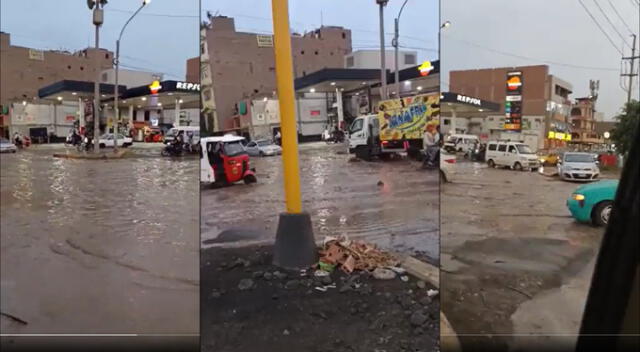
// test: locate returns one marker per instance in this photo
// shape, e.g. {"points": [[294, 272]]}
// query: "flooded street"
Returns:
{"points": [[92, 246], [513, 261], [393, 204]]}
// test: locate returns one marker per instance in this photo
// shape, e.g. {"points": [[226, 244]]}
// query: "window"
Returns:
{"points": [[356, 126], [493, 147], [106, 56], [350, 62], [147, 115], [447, 122], [135, 114], [68, 67], [81, 68], [502, 148], [344, 35], [524, 149], [202, 48], [409, 59], [316, 52], [512, 149], [302, 52], [576, 112]]}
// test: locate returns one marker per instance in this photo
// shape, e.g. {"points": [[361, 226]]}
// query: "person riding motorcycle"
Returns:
{"points": [[431, 141], [17, 140]]}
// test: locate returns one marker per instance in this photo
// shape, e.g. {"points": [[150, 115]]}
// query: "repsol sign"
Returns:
{"points": [[468, 100], [187, 86]]}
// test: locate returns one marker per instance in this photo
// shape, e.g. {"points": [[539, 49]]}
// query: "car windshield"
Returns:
{"points": [[578, 158], [524, 149], [171, 133], [233, 148], [356, 125], [264, 143]]}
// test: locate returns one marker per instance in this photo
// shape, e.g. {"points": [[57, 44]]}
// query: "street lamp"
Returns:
{"points": [[115, 88], [446, 24], [395, 45]]}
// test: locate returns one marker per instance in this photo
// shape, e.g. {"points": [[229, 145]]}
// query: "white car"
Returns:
{"points": [[106, 141], [6, 146], [574, 166], [447, 161], [263, 147], [514, 155]]}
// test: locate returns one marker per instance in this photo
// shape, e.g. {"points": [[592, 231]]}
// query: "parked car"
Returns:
{"points": [[6, 146], [106, 141], [576, 166], [263, 147], [515, 155], [548, 157], [447, 161], [461, 143], [593, 202]]}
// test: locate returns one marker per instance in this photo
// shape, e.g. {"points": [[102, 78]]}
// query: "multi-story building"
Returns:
{"points": [[583, 122], [209, 117], [242, 65], [25, 70], [544, 102]]}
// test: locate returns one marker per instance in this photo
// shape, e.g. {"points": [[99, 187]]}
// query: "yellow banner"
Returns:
{"points": [[406, 118]]}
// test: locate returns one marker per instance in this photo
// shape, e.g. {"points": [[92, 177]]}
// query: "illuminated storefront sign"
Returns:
{"points": [[155, 87], [425, 68], [559, 135], [513, 104]]}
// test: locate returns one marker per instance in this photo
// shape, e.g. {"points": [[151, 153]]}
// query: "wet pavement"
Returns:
{"points": [[512, 258], [94, 246], [393, 204]]}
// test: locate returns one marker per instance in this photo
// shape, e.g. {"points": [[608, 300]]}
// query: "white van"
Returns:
{"points": [[187, 130], [515, 155], [460, 142]]}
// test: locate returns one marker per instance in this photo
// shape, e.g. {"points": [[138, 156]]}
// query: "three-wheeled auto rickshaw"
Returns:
{"points": [[224, 161]]}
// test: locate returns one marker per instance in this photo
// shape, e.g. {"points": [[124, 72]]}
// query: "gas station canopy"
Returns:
{"points": [[167, 93], [467, 106], [354, 79], [73, 90]]}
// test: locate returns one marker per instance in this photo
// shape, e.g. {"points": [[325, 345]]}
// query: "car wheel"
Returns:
{"points": [[601, 213], [517, 166], [491, 163]]}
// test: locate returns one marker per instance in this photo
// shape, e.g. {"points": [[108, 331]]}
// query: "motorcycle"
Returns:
{"points": [[173, 149], [85, 146]]}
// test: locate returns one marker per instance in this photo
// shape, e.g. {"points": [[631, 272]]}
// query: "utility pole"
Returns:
{"points": [[633, 59], [295, 244], [98, 19], [395, 43], [383, 68]]}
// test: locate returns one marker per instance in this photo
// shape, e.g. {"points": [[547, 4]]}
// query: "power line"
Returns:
{"points": [[611, 23], [620, 17], [598, 24], [152, 14], [535, 59]]}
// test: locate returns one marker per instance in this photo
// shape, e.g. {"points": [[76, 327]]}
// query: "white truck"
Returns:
{"points": [[398, 127]]}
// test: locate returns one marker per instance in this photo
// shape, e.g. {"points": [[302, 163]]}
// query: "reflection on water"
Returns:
{"points": [[91, 224]]}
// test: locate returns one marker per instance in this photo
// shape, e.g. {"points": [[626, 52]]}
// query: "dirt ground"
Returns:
{"points": [[249, 305], [513, 260]]}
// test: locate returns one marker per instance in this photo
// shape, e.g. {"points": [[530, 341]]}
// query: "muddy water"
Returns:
{"points": [[99, 246], [508, 239], [343, 198]]}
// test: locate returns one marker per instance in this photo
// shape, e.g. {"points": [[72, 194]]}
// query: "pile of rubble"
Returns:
{"points": [[350, 255]]}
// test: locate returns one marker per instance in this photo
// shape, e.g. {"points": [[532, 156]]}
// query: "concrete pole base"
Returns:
{"points": [[295, 246]]}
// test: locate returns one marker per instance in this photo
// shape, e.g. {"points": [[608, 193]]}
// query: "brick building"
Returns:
{"points": [[545, 101], [583, 122], [241, 66]]}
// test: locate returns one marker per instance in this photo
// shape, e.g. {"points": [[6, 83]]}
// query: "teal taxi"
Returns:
{"points": [[593, 202]]}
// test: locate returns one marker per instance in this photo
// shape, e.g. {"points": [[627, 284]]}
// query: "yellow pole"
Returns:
{"points": [[286, 100]]}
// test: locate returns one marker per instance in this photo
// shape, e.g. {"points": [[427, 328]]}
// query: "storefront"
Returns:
{"points": [[465, 114], [558, 135]]}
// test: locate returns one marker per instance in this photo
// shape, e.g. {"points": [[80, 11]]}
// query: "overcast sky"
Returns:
{"points": [[543, 30], [418, 25], [159, 39]]}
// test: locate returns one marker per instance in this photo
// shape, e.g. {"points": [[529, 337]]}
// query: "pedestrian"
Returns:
{"points": [[430, 145], [278, 138]]}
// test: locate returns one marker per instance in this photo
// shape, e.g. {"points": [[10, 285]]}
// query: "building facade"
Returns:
{"points": [[543, 107], [583, 122], [242, 66]]}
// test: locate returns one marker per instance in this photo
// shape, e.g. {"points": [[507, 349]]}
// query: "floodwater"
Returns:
{"points": [[393, 204], [513, 257], [93, 246]]}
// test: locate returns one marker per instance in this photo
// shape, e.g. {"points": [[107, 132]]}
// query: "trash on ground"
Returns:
{"points": [[383, 274], [404, 278], [320, 273], [432, 293], [326, 266], [352, 255]]}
